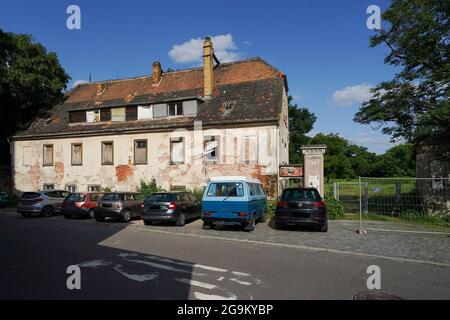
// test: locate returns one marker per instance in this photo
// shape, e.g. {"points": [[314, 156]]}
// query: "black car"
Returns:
{"points": [[170, 206], [301, 206], [119, 205]]}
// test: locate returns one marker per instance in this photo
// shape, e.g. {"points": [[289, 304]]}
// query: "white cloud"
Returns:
{"points": [[192, 51], [351, 95], [78, 82]]}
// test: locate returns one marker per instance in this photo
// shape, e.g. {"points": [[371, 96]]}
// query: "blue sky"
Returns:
{"points": [[321, 45]]}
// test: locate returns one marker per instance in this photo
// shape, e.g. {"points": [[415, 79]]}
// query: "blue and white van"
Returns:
{"points": [[234, 200]]}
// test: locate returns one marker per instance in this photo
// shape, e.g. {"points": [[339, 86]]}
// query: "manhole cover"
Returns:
{"points": [[375, 296]]}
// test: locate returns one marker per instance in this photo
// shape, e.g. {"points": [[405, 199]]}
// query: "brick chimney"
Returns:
{"points": [[157, 73], [208, 65]]}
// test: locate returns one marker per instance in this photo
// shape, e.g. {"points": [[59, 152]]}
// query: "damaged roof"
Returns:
{"points": [[245, 91]]}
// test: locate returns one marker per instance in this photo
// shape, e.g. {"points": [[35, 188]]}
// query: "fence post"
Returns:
{"points": [[366, 198], [361, 230]]}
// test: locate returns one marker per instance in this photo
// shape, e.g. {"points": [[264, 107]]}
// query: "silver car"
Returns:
{"points": [[44, 203]]}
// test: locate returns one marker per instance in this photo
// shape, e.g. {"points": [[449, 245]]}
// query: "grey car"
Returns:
{"points": [[119, 205], [44, 203]]}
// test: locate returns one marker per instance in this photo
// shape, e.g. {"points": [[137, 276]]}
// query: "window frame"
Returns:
{"points": [[146, 151], [180, 140], [43, 155], [178, 105], [94, 185], [207, 139], [102, 153], [45, 186], [124, 114], [81, 153], [94, 111], [70, 185]]}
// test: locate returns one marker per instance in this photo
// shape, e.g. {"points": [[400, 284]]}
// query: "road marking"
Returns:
{"points": [[245, 283], [241, 274], [204, 296], [220, 278], [135, 277], [95, 263], [186, 264], [165, 267], [196, 283]]}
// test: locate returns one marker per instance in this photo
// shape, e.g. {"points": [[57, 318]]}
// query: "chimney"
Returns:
{"points": [[157, 73], [100, 88], [208, 55]]}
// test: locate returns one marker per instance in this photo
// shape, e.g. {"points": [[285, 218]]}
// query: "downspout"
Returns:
{"points": [[11, 158]]}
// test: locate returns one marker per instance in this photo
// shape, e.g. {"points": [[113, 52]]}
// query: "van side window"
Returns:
{"points": [[258, 189], [252, 188]]}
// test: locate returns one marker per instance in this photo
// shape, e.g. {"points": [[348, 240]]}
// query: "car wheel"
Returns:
{"points": [[324, 227], [181, 221], [126, 215], [26, 214], [91, 214], [67, 216], [207, 226], [263, 217], [47, 211], [251, 224], [99, 218], [148, 222]]}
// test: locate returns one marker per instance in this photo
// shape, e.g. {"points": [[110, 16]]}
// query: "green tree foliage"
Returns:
{"points": [[399, 161], [301, 121], [414, 105], [31, 82], [148, 188]]}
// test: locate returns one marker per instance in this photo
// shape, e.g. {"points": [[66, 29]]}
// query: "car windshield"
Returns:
{"points": [[30, 195], [226, 189], [300, 195], [161, 197], [76, 197], [111, 197]]}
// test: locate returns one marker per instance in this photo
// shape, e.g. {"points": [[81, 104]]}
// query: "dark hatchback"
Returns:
{"points": [[119, 205], [301, 206], [175, 207]]}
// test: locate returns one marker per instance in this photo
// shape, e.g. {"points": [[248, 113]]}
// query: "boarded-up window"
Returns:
{"points": [[145, 112], [211, 149], [140, 151], [249, 150], [77, 154], [160, 110], [108, 152], [190, 108], [118, 114], [48, 155], [175, 109], [93, 116], [177, 150]]}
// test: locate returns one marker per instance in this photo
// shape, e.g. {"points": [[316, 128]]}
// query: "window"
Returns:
{"points": [[48, 155], [145, 112], [252, 188], [140, 151], [49, 186], [108, 152], [211, 148], [118, 114], [93, 116], [249, 150], [176, 109], [94, 188], [190, 107], [160, 110], [77, 154], [177, 150], [71, 188], [226, 189]]}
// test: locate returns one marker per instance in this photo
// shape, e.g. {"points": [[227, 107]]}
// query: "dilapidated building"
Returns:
{"points": [[180, 128]]}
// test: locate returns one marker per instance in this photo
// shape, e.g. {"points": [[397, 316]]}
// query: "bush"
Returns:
{"points": [[335, 209], [197, 192], [148, 188], [271, 205]]}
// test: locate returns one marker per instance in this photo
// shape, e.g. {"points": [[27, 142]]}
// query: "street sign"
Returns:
{"points": [[291, 171]]}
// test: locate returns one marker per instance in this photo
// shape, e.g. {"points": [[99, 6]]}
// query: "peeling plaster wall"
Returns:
{"points": [[124, 175]]}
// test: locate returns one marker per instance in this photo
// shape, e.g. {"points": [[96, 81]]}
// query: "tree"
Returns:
{"points": [[398, 161], [31, 82], [414, 105], [301, 121]]}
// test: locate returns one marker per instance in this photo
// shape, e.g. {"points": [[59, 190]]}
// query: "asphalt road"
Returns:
{"points": [[117, 262]]}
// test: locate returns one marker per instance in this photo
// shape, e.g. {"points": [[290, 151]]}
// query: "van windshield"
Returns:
{"points": [[300, 195], [226, 189]]}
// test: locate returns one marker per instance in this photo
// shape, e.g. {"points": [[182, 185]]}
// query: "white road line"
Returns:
{"points": [[136, 277], [220, 278], [197, 283], [241, 274], [204, 296], [95, 263], [166, 267], [186, 264], [245, 283]]}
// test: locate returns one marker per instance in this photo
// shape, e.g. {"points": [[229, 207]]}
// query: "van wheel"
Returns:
{"points": [[263, 217], [47, 211], [324, 228], [207, 226], [181, 221], [126, 215], [148, 222], [251, 224]]}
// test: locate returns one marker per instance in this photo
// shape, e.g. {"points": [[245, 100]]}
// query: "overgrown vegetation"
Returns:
{"points": [[148, 188], [335, 208]]}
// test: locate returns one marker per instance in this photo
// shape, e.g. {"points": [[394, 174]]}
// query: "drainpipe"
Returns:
{"points": [[11, 159]]}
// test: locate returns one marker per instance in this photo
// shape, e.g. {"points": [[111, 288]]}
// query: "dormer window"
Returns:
{"points": [[118, 114], [93, 116], [175, 109]]}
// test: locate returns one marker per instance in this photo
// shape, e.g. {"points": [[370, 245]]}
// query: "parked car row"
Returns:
{"points": [[226, 201]]}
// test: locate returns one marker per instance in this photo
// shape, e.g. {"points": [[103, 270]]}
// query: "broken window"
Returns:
{"points": [[118, 114], [211, 146], [93, 116], [177, 150], [145, 112], [48, 155], [160, 110], [107, 152], [249, 150], [77, 154], [140, 151], [176, 109]]}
